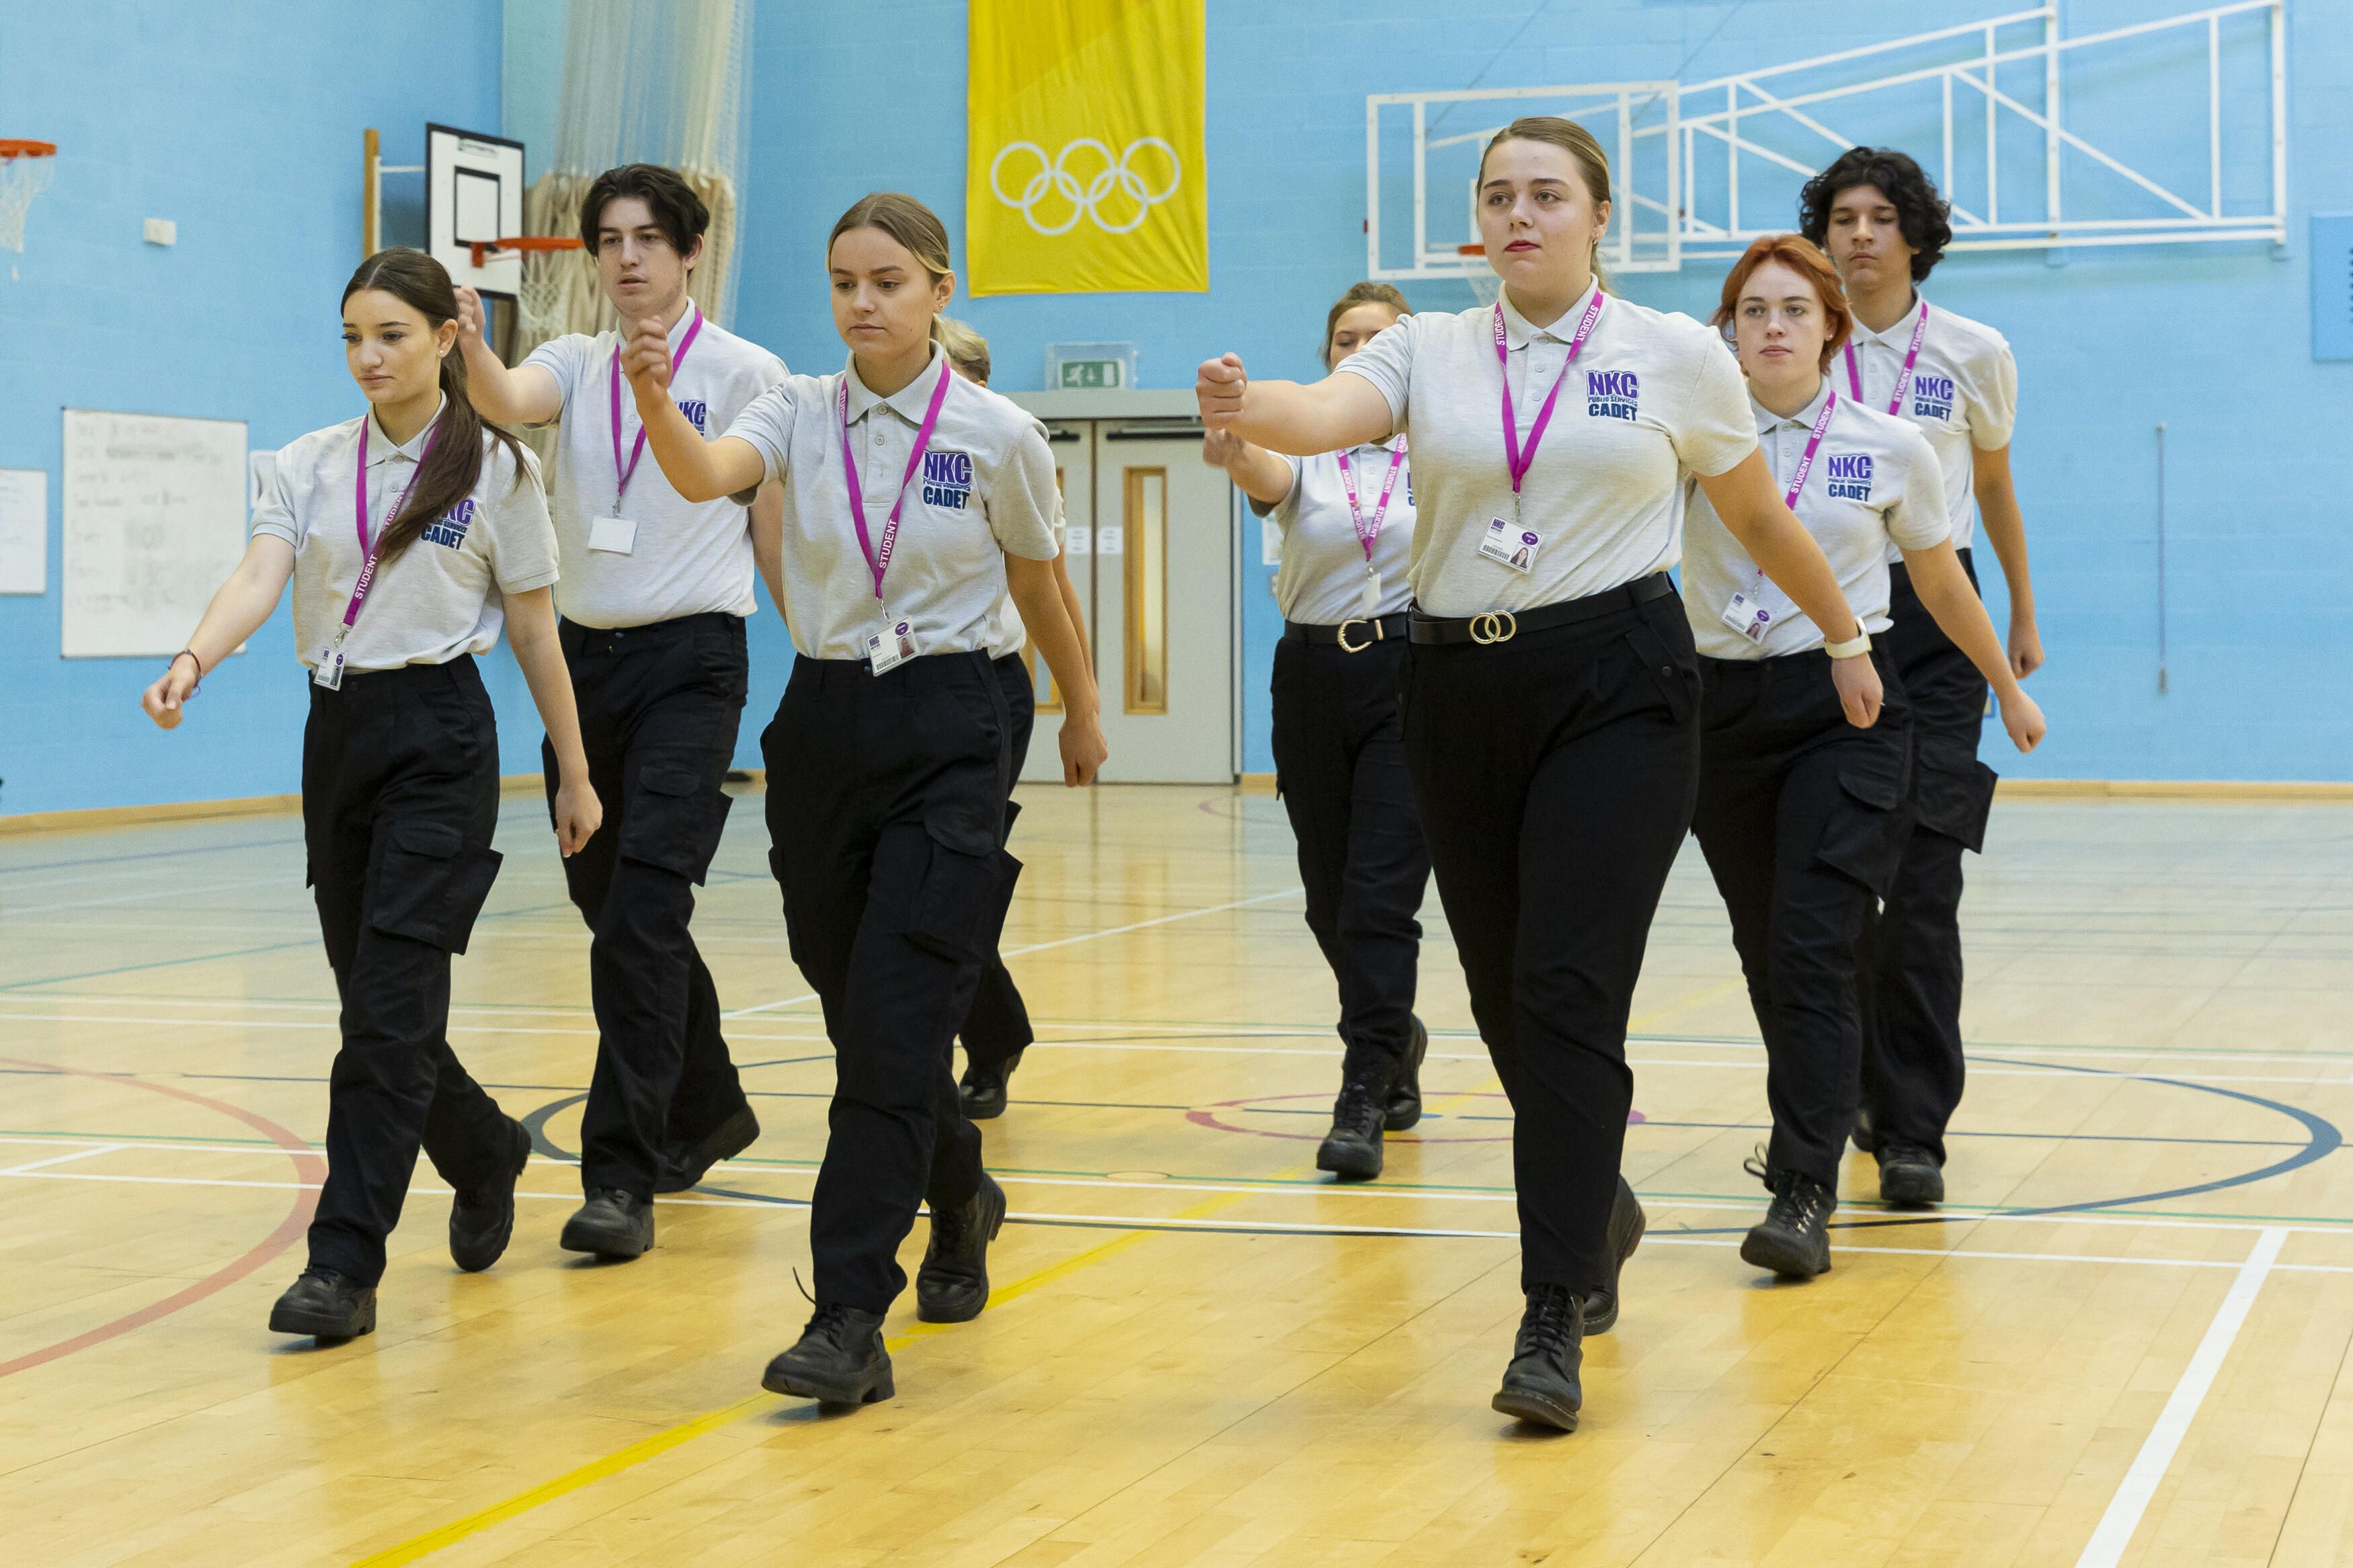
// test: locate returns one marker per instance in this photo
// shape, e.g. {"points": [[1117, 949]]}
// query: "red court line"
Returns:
{"points": [[307, 1164]]}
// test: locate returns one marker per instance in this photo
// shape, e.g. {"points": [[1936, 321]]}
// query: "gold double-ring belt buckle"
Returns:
{"points": [[1342, 636], [1496, 626]]}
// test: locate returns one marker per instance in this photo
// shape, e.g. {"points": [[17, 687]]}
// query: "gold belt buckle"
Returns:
{"points": [[1496, 626], [1342, 636]]}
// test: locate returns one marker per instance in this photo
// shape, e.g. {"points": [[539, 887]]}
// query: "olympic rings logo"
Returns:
{"points": [[1055, 185]]}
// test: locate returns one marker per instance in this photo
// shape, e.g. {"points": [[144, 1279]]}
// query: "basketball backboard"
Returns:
{"points": [[473, 194]]}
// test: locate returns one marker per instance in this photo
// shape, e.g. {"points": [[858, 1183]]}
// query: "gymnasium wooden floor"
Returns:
{"points": [[2125, 1340]]}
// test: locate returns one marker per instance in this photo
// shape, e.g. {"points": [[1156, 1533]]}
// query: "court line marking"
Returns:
{"points": [[1062, 942], [80, 1154], [2138, 1488]]}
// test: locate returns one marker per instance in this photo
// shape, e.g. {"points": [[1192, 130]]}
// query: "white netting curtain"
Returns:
{"points": [[647, 82]]}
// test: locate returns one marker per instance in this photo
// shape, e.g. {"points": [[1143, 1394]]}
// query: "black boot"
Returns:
{"points": [[1352, 1149], [839, 1359], [984, 1087], [323, 1302], [1909, 1177], [683, 1165], [952, 1286], [611, 1223], [1866, 1137], [1541, 1385], [1794, 1241], [1627, 1223], [1404, 1107], [481, 1219]]}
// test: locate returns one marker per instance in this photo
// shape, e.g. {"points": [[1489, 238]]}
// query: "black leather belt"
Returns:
{"points": [[1502, 625], [1354, 636]]}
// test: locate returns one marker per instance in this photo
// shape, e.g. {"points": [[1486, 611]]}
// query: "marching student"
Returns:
{"points": [[913, 499], [1801, 816], [654, 593], [1884, 226], [1347, 520], [1551, 690], [411, 534], [996, 1029]]}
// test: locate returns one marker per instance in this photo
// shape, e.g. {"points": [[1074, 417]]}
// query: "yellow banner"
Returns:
{"points": [[1083, 164]]}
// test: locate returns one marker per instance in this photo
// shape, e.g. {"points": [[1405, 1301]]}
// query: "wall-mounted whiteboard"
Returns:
{"points": [[154, 519]]}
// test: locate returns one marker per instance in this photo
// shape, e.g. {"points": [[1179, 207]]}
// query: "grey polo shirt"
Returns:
{"points": [[1963, 395], [1321, 581]]}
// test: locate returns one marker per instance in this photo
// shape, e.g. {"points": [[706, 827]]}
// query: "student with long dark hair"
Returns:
{"points": [[1879, 218], [997, 1028], [913, 499], [1802, 816], [411, 535], [1551, 690], [1348, 522], [654, 596]]}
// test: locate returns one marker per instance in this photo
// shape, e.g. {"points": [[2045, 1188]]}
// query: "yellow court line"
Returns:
{"points": [[710, 1421]]}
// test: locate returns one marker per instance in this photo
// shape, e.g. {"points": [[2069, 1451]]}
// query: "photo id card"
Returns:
{"points": [[890, 647], [613, 535], [1514, 547]]}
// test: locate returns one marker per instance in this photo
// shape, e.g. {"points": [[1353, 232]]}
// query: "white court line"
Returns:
{"points": [[2107, 1547], [205, 891], [315, 1024], [1064, 942], [59, 1159]]}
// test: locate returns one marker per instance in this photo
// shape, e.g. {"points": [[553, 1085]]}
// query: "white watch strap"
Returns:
{"points": [[1860, 643]]}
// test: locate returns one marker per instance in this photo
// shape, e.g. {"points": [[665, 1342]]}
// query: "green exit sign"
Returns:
{"points": [[1093, 374]]}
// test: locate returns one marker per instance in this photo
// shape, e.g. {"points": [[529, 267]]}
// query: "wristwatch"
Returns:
{"points": [[1855, 648]]}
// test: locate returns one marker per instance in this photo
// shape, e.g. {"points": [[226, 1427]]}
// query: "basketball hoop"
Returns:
{"points": [[24, 170], [1482, 278], [548, 268]]}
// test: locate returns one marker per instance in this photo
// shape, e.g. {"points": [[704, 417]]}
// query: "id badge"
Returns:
{"points": [[891, 646], [1748, 618], [329, 671], [1513, 547], [613, 535], [1372, 593]]}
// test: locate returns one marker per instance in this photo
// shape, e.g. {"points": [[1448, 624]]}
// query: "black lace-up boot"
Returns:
{"points": [[1541, 1385], [612, 1224], [839, 1359], [323, 1302], [481, 1219], [1909, 1177], [1794, 1241], [984, 1087], [1627, 1223], [1352, 1149], [1404, 1107], [683, 1165], [952, 1286]]}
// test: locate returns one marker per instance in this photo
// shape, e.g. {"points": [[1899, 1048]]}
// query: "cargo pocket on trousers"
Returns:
{"points": [[673, 822], [1865, 837], [959, 909], [430, 886], [1952, 794], [1677, 679]]}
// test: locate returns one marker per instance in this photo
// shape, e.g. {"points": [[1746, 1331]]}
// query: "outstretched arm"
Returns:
{"points": [[1261, 476], [235, 613], [1336, 412], [697, 469], [526, 394]]}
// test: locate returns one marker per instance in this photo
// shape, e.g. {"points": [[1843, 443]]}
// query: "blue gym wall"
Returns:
{"points": [[241, 122], [2212, 340]]}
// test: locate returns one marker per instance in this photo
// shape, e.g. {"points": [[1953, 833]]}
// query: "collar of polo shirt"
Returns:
{"points": [[1517, 332], [909, 402], [1898, 336], [381, 450], [1803, 418]]}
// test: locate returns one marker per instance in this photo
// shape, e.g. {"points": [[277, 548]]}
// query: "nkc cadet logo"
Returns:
{"points": [[1932, 397], [947, 480], [1850, 475], [1612, 394], [449, 530]]}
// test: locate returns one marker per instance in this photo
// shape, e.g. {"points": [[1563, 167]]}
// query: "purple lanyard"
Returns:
{"points": [[360, 516], [622, 475], [1903, 377], [879, 561], [1521, 461], [1365, 536], [1813, 445]]}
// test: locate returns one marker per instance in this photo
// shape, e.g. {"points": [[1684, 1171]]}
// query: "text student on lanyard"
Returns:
{"points": [[1801, 816], [400, 759], [1550, 693], [887, 758], [1339, 748], [1884, 226], [655, 592]]}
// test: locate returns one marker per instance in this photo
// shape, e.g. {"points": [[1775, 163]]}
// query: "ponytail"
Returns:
{"points": [[454, 466]]}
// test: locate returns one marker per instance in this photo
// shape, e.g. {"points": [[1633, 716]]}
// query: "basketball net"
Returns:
{"points": [[24, 171], [539, 297], [1484, 285]]}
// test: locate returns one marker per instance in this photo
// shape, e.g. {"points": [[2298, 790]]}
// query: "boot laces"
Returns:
{"points": [[1800, 1203], [1359, 1109], [948, 1222], [1551, 1321], [831, 1322]]}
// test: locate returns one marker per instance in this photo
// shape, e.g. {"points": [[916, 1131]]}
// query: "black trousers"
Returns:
{"points": [[997, 1027], [1913, 1070], [886, 805], [1339, 761], [400, 796], [1801, 818], [1555, 776], [659, 709]]}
